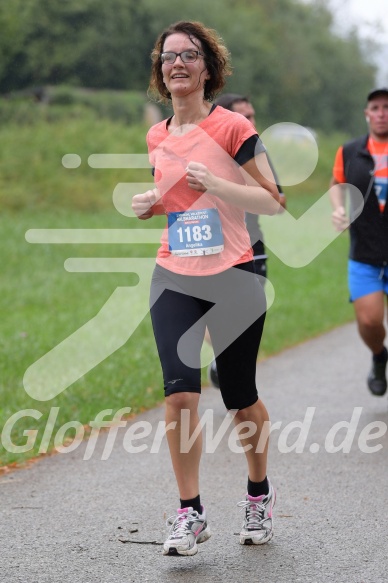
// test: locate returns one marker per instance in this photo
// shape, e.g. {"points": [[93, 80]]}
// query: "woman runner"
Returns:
{"points": [[209, 168]]}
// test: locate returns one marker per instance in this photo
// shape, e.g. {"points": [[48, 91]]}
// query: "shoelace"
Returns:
{"points": [[179, 523], [254, 513]]}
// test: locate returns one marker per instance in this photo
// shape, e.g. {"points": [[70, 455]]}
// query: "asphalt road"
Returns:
{"points": [[69, 519]]}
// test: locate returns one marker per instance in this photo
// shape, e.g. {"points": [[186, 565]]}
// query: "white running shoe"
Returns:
{"points": [[188, 528], [258, 522]]}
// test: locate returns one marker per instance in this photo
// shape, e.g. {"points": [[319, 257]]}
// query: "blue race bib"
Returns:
{"points": [[195, 232], [381, 189]]}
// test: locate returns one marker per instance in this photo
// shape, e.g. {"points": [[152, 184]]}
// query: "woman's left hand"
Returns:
{"points": [[200, 178]]}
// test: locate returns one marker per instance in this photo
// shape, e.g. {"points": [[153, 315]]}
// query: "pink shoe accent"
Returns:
{"points": [[183, 510], [259, 499]]}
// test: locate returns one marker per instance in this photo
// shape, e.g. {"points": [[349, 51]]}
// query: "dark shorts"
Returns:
{"points": [[260, 267], [232, 305]]}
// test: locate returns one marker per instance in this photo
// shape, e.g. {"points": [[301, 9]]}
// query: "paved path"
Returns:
{"points": [[70, 520]]}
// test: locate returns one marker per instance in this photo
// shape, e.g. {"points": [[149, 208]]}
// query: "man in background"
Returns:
{"points": [[363, 163]]}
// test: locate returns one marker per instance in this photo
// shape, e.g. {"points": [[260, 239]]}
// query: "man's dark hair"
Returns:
{"points": [[227, 100]]}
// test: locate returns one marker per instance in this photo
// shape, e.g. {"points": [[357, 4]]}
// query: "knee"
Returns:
{"points": [[242, 415], [256, 412], [176, 402], [369, 321]]}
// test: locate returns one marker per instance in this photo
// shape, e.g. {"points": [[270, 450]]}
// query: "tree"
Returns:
{"points": [[286, 54], [92, 43], [13, 32]]}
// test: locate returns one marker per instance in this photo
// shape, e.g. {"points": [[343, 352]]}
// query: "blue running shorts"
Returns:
{"points": [[364, 279]]}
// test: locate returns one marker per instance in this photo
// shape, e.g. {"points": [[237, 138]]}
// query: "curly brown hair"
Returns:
{"points": [[217, 59]]}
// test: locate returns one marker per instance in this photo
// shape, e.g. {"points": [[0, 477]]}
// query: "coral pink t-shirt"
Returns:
{"points": [[214, 142]]}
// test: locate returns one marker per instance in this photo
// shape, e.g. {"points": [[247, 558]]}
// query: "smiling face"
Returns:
{"points": [[182, 79]]}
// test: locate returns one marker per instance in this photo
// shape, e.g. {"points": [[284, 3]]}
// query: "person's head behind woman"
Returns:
{"points": [[208, 41]]}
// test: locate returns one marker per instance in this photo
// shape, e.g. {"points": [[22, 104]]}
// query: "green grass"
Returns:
{"points": [[308, 301], [312, 299], [42, 304]]}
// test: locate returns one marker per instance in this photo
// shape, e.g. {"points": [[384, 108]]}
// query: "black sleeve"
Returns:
{"points": [[250, 148]]}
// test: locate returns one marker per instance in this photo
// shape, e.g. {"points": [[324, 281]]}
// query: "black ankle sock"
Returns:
{"points": [[382, 357], [258, 488], [194, 502]]}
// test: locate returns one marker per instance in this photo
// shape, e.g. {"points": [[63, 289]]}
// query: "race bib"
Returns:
{"points": [[381, 189], [197, 232]]}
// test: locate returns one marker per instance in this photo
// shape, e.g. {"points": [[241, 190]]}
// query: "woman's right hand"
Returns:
{"points": [[142, 204]]}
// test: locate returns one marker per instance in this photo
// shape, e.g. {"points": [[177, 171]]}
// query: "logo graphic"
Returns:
{"points": [[297, 242]]}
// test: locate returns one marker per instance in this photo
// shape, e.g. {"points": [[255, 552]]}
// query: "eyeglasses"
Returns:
{"points": [[190, 56]]}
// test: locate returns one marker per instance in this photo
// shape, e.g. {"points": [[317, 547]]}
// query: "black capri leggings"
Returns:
{"points": [[232, 305]]}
